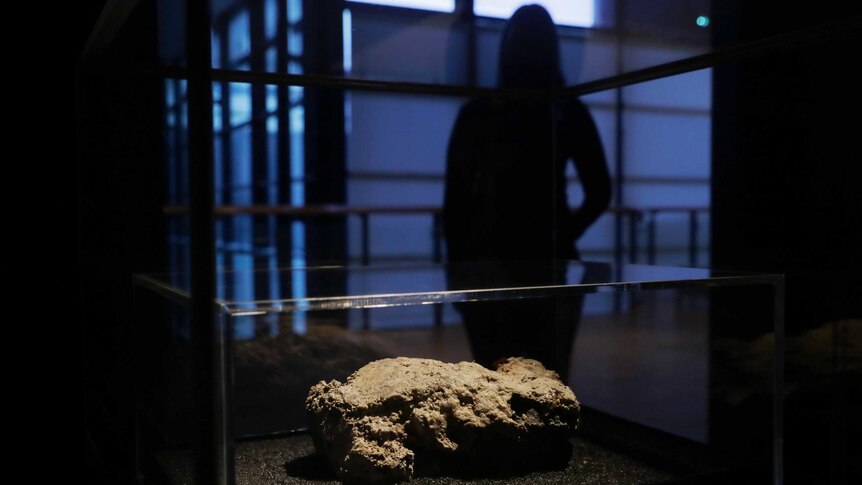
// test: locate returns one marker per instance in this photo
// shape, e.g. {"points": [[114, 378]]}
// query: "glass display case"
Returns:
{"points": [[665, 394], [285, 164]]}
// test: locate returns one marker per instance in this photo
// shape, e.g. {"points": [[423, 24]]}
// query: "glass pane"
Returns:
{"points": [[240, 103], [428, 41], [239, 37], [666, 387], [385, 286]]}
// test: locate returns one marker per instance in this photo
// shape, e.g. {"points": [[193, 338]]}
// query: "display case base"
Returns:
{"points": [[292, 460]]}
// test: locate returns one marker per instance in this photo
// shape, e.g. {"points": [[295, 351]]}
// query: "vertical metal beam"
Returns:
{"points": [[692, 238], [437, 237], [225, 140], [284, 240], [467, 19], [651, 237], [366, 238], [618, 135], [437, 241], [260, 176], [619, 17], [211, 452], [325, 139]]}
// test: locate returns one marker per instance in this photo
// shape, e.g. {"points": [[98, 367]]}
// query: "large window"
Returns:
{"points": [[577, 13], [392, 150], [259, 156], [433, 5], [396, 144]]}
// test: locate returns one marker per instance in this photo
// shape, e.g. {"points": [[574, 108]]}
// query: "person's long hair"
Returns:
{"points": [[529, 51]]}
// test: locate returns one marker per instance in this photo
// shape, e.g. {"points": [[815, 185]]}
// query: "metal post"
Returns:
{"points": [[366, 238], [633, 236], [212, 450], [619, 32], [651, 237], [438, 258], [366, 259], [437, 234], [284, 239], [262, 226], [692, 238], [468, 19]]}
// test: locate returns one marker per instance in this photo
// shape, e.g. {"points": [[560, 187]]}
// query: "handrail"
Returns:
{"points": [[336, 210], [307, 210], [693, 229], [635, 215]]}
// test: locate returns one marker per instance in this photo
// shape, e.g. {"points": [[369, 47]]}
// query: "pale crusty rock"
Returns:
{"points": [[398, 417]]}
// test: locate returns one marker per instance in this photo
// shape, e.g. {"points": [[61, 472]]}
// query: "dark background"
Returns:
{"points": [[786, 198]]}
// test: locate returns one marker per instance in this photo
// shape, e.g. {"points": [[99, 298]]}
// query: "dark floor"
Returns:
{"points": [[291, 460]]}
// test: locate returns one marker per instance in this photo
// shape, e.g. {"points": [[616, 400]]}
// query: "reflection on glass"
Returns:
{"points": [[272, 59], [395, 144], [394, 285], [270, 17], [240, 103], [347, 39], [294, 42], [216, 50], [239, 42], [271, 98], [170, 97]]}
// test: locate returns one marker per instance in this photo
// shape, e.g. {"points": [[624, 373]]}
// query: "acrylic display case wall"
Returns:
{"points": [[217, 138], [666, 393]]}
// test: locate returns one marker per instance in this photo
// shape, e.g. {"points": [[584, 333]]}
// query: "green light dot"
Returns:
{"points": [[702, 21]]}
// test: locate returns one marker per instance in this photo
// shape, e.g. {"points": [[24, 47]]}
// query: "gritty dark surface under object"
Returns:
{"points": [[292, 460]]}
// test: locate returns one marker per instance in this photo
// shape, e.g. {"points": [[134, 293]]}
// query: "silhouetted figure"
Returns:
{"points": [[506, 198]]}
